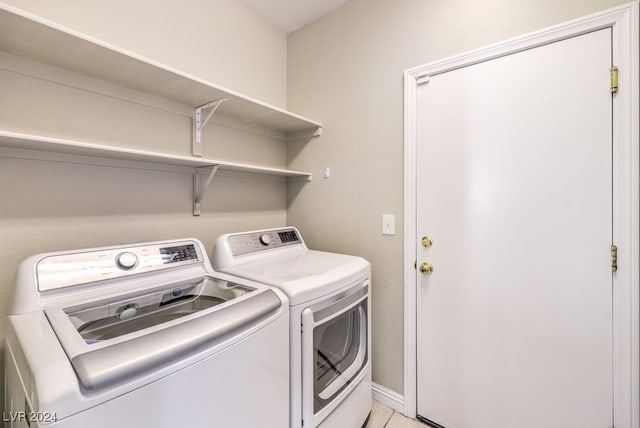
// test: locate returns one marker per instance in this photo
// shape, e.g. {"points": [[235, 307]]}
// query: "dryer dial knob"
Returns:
{"points": [[265, 239], [126, 260]]}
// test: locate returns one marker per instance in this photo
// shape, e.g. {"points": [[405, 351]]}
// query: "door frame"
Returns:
{"points": [[623, 21]]}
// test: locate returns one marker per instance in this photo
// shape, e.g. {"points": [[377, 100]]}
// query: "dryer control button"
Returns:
{"points": [[126, 260], [265, 239]]}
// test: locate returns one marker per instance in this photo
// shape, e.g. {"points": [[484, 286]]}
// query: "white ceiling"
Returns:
{"points": [[289, 15]]}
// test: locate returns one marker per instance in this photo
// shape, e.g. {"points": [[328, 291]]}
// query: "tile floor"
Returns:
{"points": [[384, 417]]}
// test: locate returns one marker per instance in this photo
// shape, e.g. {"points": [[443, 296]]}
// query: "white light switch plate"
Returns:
{"points": [[388, 224]]}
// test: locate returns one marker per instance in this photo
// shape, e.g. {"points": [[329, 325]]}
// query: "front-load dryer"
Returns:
{"points": [[144, 335], [330, 325]]}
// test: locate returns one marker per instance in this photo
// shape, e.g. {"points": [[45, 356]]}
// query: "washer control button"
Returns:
{"points": [[265, 239], [126, 260]]}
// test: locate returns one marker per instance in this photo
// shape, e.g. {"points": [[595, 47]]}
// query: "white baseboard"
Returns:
{"points": [[388, 397]]}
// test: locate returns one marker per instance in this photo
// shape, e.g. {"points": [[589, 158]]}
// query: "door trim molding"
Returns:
{"points": [[623, 21]]}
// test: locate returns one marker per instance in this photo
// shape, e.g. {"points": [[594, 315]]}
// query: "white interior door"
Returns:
{"points": [[514, 187]]}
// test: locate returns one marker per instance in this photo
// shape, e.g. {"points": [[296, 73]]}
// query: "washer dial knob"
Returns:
{"points": [[265, 239], [126, 260]]}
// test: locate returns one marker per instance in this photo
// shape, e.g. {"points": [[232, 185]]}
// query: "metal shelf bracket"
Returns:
{"points": [[199, 123], [199, 189]]}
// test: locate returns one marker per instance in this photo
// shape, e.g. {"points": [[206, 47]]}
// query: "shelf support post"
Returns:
{"points": [[198, 189], [199, 123]]}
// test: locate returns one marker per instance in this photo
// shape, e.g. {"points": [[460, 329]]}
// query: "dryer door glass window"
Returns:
{"points": [[340, 353]]}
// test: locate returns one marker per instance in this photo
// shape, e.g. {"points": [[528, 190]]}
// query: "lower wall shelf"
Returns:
{"points": [[70, 147], [43, 148]]}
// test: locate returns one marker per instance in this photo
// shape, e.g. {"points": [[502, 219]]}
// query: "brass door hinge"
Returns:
{"points": [[614, 258], [613, 72]]}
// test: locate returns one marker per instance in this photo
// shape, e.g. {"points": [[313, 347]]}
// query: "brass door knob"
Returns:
{"points": [[426, 241], [426, 268]]}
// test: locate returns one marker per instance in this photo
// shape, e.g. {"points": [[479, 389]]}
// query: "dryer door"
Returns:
{"points": [[334, 350]]}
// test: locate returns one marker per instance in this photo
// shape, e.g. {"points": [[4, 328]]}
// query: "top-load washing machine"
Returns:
{"points": [[144, 335], [330, 326]]}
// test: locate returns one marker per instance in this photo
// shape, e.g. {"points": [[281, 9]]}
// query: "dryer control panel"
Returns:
{"points": [[75, 268], [250, 242]]}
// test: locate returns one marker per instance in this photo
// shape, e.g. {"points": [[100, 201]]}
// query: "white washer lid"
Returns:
{"points": [[304, 276]]}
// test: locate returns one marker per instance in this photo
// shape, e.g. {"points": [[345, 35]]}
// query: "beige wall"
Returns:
{"points": [[55, 204], [345, 70]]}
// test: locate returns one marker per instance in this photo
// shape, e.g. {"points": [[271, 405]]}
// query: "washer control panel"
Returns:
{"points": [[244, 243], [75, 268]]}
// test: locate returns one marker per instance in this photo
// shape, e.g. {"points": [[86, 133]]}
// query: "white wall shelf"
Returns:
{"points": [[35, 38], [25, 143], [70, 147]]}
